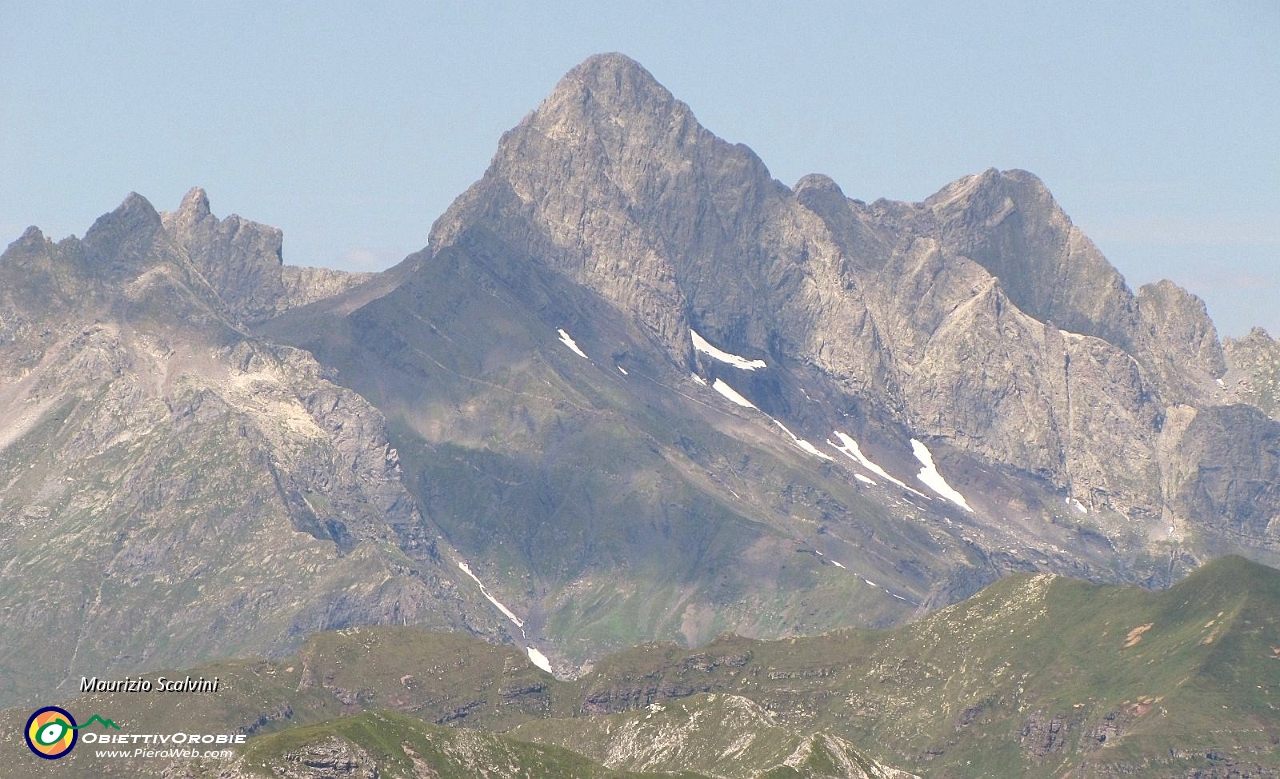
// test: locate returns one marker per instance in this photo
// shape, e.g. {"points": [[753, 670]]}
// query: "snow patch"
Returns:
{"points": [[538, 658], [485, 592], [932, 479], [800, 442], [864, 479], [699, 379], [813, 450], [1220, 382], [731, 394], [837, 564], [736, 398], [854, 453], [1077, 505], [622, 370], [700, 344], [568, 341]]}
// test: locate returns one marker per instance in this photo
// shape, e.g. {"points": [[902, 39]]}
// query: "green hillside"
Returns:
{"points": [[1034, 676]]}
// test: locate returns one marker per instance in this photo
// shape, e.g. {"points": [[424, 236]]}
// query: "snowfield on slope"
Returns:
{"points": [[800, 442], [485, 592], [732, 394], [854, 452], [932, 479], [568, 341], [702, 345], [735, 397], [538, 658]]}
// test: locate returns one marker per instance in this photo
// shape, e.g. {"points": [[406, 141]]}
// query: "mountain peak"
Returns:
{"points": [[605, 85], [32, 235], [134, 215], [195, 205], [193, 210], [817, 182], [612, 69], [137, 206], [992, 184]]}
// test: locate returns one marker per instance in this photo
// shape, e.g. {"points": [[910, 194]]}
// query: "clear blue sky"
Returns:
{"points": [[352, 126]]}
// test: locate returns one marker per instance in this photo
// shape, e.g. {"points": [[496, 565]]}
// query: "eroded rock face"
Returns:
{"points": [[1180, 343], [239, 258], [1224, 471], [243, 262], [332, 758], [1254, 376]]}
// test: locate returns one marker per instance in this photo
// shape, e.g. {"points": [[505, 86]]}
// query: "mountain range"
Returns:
{"points": [[633, 388]]}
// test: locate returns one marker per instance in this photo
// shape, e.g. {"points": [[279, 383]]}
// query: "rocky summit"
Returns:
{"points": [[633, 388]]}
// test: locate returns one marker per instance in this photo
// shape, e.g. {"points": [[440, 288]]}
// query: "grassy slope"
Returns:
{"points": [[407, 747], [1036, 676]]}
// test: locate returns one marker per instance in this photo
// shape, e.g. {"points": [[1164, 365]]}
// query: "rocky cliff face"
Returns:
{"points": [[1254, 377], [243, 262]]}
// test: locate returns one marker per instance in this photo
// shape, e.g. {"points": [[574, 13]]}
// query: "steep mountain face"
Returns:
{"points": [[926, 394], [607, 507], [172, 488], [981, 318]]}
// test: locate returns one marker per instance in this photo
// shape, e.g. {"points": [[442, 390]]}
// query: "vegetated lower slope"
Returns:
{"points": [[382, 744], [1036, 676], [720, 735]]}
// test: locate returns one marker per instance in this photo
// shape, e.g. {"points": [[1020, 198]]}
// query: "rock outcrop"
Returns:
{"points": [[1254, 376], [243, 262]]}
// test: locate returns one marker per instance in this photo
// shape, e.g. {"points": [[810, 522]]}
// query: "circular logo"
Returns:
{"points": [[51, 732]]}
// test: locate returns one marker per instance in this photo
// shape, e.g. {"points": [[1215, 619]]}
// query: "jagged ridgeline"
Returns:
{"points": [[633, 389], [1036, 676]]}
